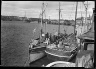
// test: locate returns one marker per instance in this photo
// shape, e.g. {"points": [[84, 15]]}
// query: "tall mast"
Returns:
{"points": [[59, 18], [42, 17], [46, 26], [86, 7], [81, 16], [25, 13], [75, 19], [45, 23], [86, 15], [90, 19], [25, 16], [1, 4]]}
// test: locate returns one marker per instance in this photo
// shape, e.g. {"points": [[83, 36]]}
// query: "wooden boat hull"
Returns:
{"points": [[60, 56], [35, 56], [36, 53], [57, 57]]}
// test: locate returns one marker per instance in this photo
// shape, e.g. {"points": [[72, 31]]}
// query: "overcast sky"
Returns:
{"points": [[33, 9]]}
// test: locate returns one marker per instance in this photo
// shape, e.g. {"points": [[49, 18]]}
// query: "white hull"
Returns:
{"points": [[36, 56]]}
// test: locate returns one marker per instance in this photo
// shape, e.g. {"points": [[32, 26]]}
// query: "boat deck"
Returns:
{"points": [[44, 61]]}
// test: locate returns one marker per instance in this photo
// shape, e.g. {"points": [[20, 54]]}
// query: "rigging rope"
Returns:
{"points": [[69, 18], [72, 11], [44, 10]]}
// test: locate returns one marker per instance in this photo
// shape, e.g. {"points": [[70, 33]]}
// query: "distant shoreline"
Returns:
{"points": [[33, 22]]}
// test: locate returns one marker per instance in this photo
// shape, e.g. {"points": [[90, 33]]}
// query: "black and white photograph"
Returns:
{"points": [[47, 34]]}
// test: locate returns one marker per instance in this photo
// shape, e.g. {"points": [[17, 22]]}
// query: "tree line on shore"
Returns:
{"points": [[29, 20]]}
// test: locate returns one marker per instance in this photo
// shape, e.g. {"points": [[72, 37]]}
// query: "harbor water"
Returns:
{"points": [[15, 39]]}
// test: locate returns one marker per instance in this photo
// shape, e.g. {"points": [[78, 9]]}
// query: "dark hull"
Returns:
{"points": [[56, 58], [60, 56], [37, 50]]}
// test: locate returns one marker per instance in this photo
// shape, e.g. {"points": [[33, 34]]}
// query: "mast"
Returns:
{"points": [[42, 17], [42, 13], [1, 4], [81, 17], [86, 8], [92, 24], [86, 15], [81, 20], [90, 20], [75, 19], [25, 16], [45, 23], [59, 19], [25, 13], [46, 27]]}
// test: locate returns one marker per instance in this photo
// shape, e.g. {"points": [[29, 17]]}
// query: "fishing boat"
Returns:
{"points": [[61, 52], [37, 46], [36, 53], [64, 48]]}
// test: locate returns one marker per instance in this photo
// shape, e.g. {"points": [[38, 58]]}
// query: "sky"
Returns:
{"points": [[32, 9]]}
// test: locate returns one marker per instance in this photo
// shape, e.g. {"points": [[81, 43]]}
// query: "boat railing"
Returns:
{"points": [[58, 55], [38, 47], [65, 50]]}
